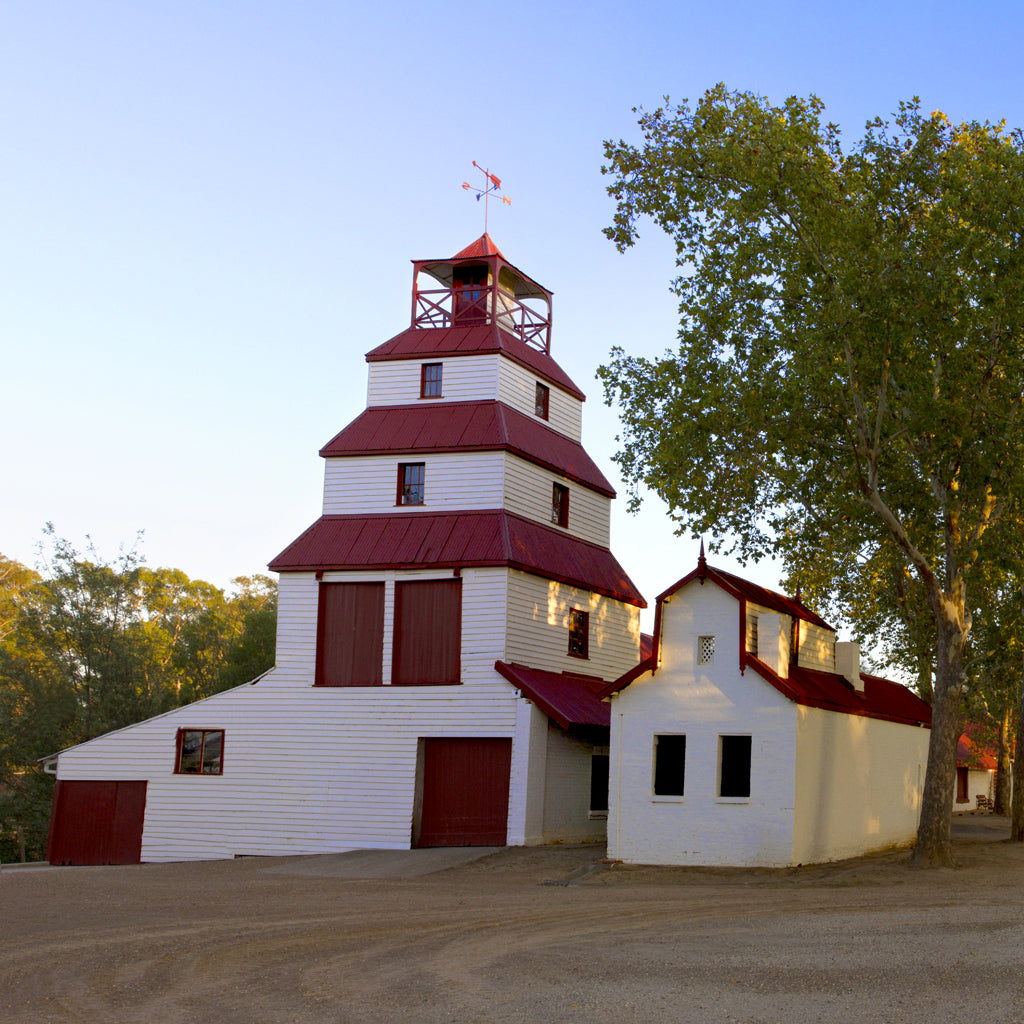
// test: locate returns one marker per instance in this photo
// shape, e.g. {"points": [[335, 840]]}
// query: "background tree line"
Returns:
{"points": [[89, 645]]}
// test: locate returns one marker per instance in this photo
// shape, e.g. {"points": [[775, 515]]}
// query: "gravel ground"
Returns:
{"points": [[521, 935]]}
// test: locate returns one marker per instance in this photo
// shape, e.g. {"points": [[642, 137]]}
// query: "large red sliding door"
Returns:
{"points": [[97, 822], [465, 792]]}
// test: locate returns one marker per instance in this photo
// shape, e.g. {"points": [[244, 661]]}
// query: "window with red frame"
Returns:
{"points": [[200, 752], [411, 483], [579, 634], [541, 400], [559, 505], [430, 380]]}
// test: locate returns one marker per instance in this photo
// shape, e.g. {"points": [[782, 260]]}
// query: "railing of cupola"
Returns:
{"points": [[481, 304]]}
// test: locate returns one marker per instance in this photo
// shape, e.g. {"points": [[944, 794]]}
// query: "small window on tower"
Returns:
{"points": [[430, 380], [559, 505], [579, 633], [541, 401], [411, 476]]}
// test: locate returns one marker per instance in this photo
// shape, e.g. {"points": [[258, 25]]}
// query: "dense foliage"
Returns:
{"points": [[849, 381], [88, 645]]}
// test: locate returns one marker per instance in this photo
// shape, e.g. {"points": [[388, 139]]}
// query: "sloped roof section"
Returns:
{"points": [[975, 750], [566, 698], [427, 342], [739, 587], [457, 540], [466, 426], [483, 246]]}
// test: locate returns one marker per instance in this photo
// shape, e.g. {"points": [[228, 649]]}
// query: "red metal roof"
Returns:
{"points": [[483, 246], [565, 697], [976, 750], [466, 426], [739, 587], [456, 540], [425, 342]]}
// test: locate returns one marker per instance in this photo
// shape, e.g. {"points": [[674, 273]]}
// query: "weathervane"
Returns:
{"points": [[492, 184]]}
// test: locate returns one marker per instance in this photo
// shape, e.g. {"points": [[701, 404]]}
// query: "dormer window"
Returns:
{"points": [[469, 295], [559, 505], [540, 406], [430, 380]]}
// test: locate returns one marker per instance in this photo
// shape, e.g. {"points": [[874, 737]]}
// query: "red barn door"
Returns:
{"points": [[97, 822], [465, 792]]}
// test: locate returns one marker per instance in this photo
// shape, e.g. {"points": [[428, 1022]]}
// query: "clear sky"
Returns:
{"points": [[208, 209]]}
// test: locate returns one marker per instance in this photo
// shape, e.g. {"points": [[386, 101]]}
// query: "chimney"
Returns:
{"points": [[773, 642], [848, 663]]}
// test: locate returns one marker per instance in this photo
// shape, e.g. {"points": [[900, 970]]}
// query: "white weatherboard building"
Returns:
{"points": [[443, 627], [749, 737]]}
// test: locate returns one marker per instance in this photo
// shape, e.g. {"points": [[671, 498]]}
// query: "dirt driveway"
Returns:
{"points": [[276, 941]]}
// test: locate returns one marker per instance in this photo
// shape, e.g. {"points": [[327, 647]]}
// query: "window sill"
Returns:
{"points": [[732, 799], [667, 799], [598, 815], [406, 686]]}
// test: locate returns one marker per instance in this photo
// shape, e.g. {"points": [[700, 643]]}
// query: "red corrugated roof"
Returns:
{"points": [[427, 342], [483, 246], [976, 750], [466, 426], [565, 697], [456, 540], [739, 587]]}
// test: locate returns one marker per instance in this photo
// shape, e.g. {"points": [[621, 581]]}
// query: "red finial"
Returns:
{"points": [[702, 563]]}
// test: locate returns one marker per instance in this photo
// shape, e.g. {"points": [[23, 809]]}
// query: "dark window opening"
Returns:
{"points": [[430, 380], [200, 752], [541, 401], [735, 766], [599, 782], [559, 505], [428, 633], [350, 635], [669, 765], [579, 633], [962, 796], [469, 291], [411, 481]]}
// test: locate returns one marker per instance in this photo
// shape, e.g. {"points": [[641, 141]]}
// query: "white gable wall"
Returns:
{"points": [[858, 784], [703, 703]]}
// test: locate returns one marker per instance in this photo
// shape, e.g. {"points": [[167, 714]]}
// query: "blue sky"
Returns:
{"points": [[208, 209]]}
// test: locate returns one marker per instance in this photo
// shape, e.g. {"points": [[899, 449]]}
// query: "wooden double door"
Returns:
{"points": [[97, 822]]}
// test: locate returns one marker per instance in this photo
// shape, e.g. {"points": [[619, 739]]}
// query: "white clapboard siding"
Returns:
{"points": [[567, 796], [517, 386], [484, 595], [305, 770], [754, 613], [538, 628], [817, 647], [453, 482], [528, 491], [463, 379]]}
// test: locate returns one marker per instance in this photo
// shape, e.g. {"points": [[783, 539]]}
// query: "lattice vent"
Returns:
{"points": [[705, 650]]}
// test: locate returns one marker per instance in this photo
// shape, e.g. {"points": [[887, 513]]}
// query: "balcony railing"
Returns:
{"points": [[478, 304]]}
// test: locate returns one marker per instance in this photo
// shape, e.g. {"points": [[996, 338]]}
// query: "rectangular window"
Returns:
{"points": [[669, 765], [598, 782], [579, 633], [541, 401], [428, 632], [350, 635], [734, 762], [200, 752], [411, 483], [430, 380], [559, 505]]}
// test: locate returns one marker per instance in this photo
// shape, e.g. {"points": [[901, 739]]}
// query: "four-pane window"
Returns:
{"points": [[200, 752], [430, 380], [411, 480]]}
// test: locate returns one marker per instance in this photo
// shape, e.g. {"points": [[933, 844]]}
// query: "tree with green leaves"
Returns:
{"points": [[850, 349]]}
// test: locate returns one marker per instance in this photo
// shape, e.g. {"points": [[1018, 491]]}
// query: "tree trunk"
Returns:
{"points": [[1002, 796], [1017, 799], [934, 843]]}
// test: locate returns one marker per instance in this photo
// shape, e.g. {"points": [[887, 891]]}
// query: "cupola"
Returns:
{"points": [[479, 287]]}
